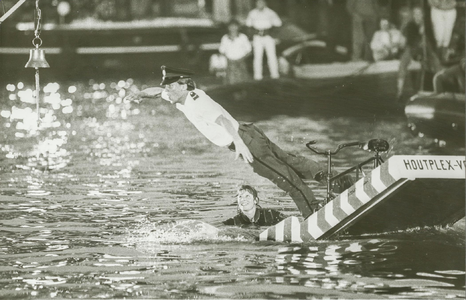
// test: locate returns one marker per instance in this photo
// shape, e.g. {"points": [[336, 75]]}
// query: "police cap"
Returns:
{"points": [[170, 75]]}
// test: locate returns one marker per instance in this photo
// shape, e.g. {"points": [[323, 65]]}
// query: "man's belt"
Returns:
{"points": [[262, 32]]}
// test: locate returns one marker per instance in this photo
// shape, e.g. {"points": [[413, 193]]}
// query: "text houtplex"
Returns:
{"points": [[431, 164]]}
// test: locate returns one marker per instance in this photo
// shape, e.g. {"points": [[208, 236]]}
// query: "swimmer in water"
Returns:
{"points": [[249, 211]]}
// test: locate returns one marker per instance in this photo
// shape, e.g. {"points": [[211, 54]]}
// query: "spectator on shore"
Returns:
{"points": [[417, 48], [450, 80], [332, 25], [236, 48], [261, 21], [249, 211], [387, 42], [443, 17], [364, 15]]}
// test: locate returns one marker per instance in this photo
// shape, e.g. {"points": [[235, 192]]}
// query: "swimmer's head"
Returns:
{"points": [[247, 198]]}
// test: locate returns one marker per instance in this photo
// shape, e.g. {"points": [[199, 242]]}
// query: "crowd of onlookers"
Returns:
{"points": [[411, 42], [387, 41], [374, 38], [235, 46], [377, 32]]}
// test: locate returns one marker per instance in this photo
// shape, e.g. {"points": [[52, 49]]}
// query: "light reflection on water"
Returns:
{"points": [[370, 266], [106, 199]]}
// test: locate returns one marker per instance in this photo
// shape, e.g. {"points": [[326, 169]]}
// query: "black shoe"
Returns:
{"points": [[321, 177]]}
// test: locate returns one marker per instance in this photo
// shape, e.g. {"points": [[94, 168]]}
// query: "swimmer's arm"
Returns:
{"points": [[230, 221]]}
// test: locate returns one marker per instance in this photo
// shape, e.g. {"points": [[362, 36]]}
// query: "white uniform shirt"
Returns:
{"points": [[263, 19], [202, 111], [235, 49]]}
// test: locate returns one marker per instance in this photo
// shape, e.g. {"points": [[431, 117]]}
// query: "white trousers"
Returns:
{"points": [[442, 23], [267, 43]]}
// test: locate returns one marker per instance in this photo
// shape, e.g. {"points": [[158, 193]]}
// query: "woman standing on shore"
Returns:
{"points": [[236, 48]]}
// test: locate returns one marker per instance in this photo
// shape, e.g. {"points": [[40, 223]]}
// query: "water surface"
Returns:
{"points": [[108, 199]]}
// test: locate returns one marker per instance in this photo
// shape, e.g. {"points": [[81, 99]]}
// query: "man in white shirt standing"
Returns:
{"points": [[262, 20], [250, 143]]}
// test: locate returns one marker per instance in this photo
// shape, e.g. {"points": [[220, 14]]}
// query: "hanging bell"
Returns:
{"points": [[37, 59]]}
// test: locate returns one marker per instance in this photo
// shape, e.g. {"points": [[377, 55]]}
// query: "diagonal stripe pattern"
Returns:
{"points": [[334, 212], [351, 203]]}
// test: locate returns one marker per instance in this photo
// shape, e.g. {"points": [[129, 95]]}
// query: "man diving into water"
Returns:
{"points": [[250, 143]]}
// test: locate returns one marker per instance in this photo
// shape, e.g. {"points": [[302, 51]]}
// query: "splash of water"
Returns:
{"points": [[147, 235]]}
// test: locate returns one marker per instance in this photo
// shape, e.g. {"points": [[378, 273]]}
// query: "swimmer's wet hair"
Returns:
{"points": [[251, 190]]}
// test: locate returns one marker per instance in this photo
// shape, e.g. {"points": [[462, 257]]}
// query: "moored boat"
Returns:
{"points": [[97, 46], [312, 59], [440, 116]]}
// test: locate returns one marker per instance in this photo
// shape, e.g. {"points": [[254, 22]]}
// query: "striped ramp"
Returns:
{"points": [[287, 230], [366, 193]]}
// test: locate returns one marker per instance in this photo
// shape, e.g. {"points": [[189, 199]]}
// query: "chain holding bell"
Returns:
{"points": [[36, 55]]}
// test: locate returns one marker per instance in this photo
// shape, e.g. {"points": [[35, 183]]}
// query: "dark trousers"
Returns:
{"points": [[284, 169], [363, 30]]}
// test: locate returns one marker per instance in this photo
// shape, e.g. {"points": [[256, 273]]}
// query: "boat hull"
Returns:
{"points": [[363, 95], [440, 116]]}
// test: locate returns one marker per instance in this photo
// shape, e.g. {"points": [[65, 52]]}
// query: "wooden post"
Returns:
{"points": [[11, 10], [424, 46]]}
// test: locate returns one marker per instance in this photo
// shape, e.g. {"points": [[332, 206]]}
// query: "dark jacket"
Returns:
{"points": [[263, 217], [413, 36], [414, 40]]}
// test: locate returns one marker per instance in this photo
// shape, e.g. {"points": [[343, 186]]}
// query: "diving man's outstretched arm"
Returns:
{"points": [[152, 92]]}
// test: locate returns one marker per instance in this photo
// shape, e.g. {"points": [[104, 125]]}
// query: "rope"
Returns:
{"points": [[37, 95], [37, 42]]}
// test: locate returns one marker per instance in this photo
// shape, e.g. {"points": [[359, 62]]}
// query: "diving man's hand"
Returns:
{"points": [[138, 96], [242, 149]]}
